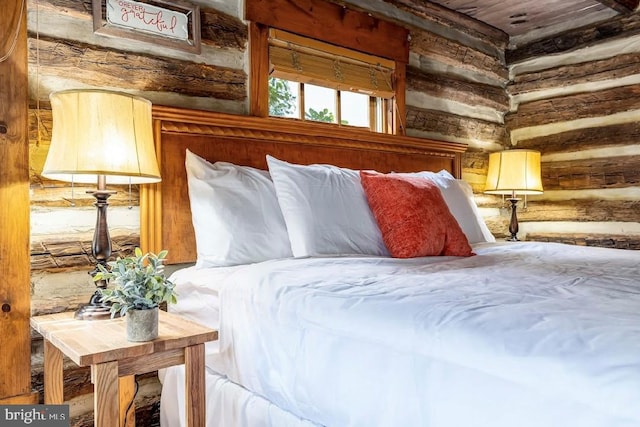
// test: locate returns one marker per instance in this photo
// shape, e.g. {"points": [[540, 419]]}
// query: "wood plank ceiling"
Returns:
{"points": [[537, 18]]}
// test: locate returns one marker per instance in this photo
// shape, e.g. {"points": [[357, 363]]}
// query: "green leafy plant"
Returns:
{"points": [[139, 282], [320, 115], [281, 101]]}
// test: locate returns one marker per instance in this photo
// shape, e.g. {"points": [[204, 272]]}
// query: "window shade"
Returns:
{"points": [[305, 60]]}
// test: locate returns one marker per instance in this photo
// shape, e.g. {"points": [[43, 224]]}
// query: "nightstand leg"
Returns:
{"points": [[53, 382], [127, 387], [195, 387], [105, 394]]}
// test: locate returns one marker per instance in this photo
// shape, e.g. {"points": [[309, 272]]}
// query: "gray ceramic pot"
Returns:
{"points": [[142, 325]]}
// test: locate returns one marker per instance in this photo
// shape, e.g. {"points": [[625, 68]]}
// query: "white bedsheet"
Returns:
{"points": [[523, 334]]}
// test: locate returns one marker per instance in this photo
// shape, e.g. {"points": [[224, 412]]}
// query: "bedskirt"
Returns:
{"points": [[228, 404]]}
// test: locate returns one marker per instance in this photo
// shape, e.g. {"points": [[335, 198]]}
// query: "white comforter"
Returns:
{"points": [[523, 334]]}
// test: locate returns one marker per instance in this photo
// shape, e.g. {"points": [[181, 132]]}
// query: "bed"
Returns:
{"points": [[488, 334]]}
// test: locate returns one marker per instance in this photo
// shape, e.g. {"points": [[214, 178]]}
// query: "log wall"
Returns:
{"points": [[575, 98], [64, 53], [577, 109]]}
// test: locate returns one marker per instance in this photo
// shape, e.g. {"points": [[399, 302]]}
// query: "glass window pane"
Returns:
{"points": [[354, 109], [319, 103], [283, 98]]}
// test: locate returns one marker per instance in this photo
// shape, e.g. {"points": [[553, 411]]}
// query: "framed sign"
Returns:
{"points": [[174, 23]]}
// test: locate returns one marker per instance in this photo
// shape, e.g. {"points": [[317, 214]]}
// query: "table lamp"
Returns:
{"points": [[101, 137], [514, 172]]}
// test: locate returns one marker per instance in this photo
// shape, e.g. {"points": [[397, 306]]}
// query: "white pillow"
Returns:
{"points": [[468, 191], [459, 198], [325, 209], [235, 214]]}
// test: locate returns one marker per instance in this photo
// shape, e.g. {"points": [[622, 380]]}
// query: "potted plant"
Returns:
{"points": [[140, 285]]}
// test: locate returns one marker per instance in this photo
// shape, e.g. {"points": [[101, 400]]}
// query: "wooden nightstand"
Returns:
{"points": [[114, 361]]}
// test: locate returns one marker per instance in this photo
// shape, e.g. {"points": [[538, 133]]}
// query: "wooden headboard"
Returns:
{"points": [[165, 215]]}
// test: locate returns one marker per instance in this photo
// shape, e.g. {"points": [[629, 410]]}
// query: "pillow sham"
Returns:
{"points": [[413, 216], [459, 198], [325, 210], [235, 214]]}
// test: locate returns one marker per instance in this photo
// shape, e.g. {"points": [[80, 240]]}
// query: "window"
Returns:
{"points": [[316, 103], [319, 103], [357, 60], [316, 81]]}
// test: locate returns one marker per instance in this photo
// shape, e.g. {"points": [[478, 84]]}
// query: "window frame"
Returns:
{"points": [[349, 29]]}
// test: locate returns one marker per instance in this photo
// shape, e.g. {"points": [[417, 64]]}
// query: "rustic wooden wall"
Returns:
{"points": [[464, 83], [576, 99], [64, 53]]}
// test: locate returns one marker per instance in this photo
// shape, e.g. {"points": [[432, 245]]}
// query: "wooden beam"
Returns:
{"points": [[453, 89], [616, 67], [612, 136], [454, 126], [334, 24], [600, 240], [458, 56], [441, 15], [222, 30], [15, 340], [475, 161], [611, 172], [95, 65], [66, 254], [622, 6], [622, 27], [259, 66], [581, 211], [573, 107]]}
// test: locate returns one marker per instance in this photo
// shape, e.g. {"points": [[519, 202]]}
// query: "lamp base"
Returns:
{"points": [[94, 310], [513, 224]]}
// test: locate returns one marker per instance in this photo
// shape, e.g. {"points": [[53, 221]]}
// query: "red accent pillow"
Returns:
{"points": [[413, 217]]}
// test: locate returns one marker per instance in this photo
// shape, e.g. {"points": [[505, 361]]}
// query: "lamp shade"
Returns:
{"points": [[98, 132], [514, 171]]}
